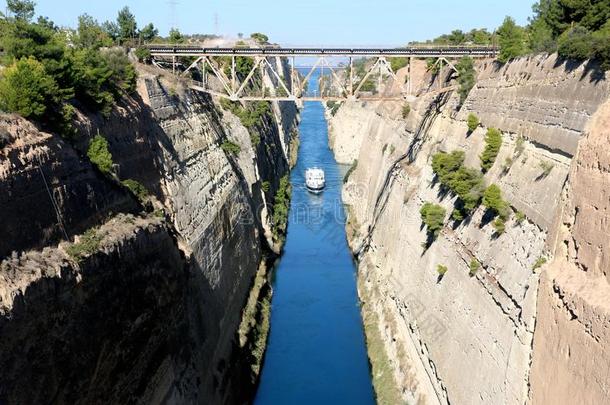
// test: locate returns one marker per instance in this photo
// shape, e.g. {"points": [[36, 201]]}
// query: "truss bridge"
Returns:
{"points": [[236, 73]]}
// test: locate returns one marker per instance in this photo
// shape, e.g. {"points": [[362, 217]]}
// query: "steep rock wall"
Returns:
{"points": [[571, 353], [435, 327], [200, 261]]}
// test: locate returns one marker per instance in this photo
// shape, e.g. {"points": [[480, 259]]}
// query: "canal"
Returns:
{"points": [[316, 352]]}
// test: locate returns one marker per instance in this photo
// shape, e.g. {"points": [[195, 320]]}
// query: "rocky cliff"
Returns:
{"points": [[144, 306], [471, 337]]}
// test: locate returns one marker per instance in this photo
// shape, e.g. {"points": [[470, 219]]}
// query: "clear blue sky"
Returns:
{"points": [[311, 22]]}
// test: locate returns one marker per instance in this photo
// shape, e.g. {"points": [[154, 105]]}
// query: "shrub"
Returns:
{"points": [[230, 147], [519, 217], [457, 215], [433, 216], [493, 142], [99, 154], [26, 89], [492, 199], [266, 186], [398, 63], [473, 122], [406, 110], [546, 167], [259, 37], [136, 188], [539, 263], [88, 243], [143, 54], [280, 208], [350, 171], [255, 139], [441, 270], [519, 146], [474, 267], [467, 183], [466, 78], [499, 226]]}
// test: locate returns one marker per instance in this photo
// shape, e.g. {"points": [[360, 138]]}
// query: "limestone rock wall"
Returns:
{"points": [[153, 316], [571, 352], [459, 338]]}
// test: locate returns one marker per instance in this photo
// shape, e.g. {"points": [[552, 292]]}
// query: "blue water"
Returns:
{"points": [[316, 352]]}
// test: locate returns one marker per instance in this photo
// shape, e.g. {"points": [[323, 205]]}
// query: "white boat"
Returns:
{"points": [[314, 180]]}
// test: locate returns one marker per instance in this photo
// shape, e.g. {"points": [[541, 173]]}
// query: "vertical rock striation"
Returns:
{"points": [[151, 313], [465, 338]]}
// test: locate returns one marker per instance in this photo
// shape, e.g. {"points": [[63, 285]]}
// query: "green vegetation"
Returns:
{"points": [[576, 29], [539, 263], [467, 183], [26, 88], [137, 189], [433, 216], [369, 85], [406, 110], [99, 154], [143, 54], [441, 270], [512, 40], [51, 69], [280, 208], [519, 217], [88, 243], [492, 199], [334, 107], [251, 115], [175, 36], [473, 122], [259, 38], [458, 37], [230, 147], [392, 149], [499, 226], [519, 146], [493, 142], [398, 63], [350, 171], [457, 215], [546, 167], [466, 77], [266, 186], [474, 267]]}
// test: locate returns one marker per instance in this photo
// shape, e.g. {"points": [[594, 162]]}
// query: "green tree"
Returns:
{"points": [[175, 37], [99, 154], [111, 29], [493, 142], [473, 122], [149, 32], [433, 216], [512, 40], [259, 38], [27, 89], [91, 34], [540, 37], [492, 199], [21, 9], [126, 21], [466, 77]]}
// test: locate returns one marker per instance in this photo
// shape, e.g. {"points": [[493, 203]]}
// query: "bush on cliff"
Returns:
{"points": [[473, 122], [492, 199], [512, 40], [88, 243], [137, 189], [99, 154], [281, 206], [27, 89], [466, 78], [230, 147], [493, 142], [466, 182], [433, 216]]}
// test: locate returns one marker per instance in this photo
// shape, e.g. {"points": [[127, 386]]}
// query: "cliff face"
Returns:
{"points": [[434, 327], [152, 314], [572, 329]]}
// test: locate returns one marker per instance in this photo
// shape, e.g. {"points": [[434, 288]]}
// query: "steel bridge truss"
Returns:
{"points": [[334, 87]]}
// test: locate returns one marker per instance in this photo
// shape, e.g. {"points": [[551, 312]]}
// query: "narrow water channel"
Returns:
{"points": [[316, 352]]}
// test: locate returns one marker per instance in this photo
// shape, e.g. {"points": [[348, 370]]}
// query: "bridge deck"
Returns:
{"points": [[415, 51]]}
